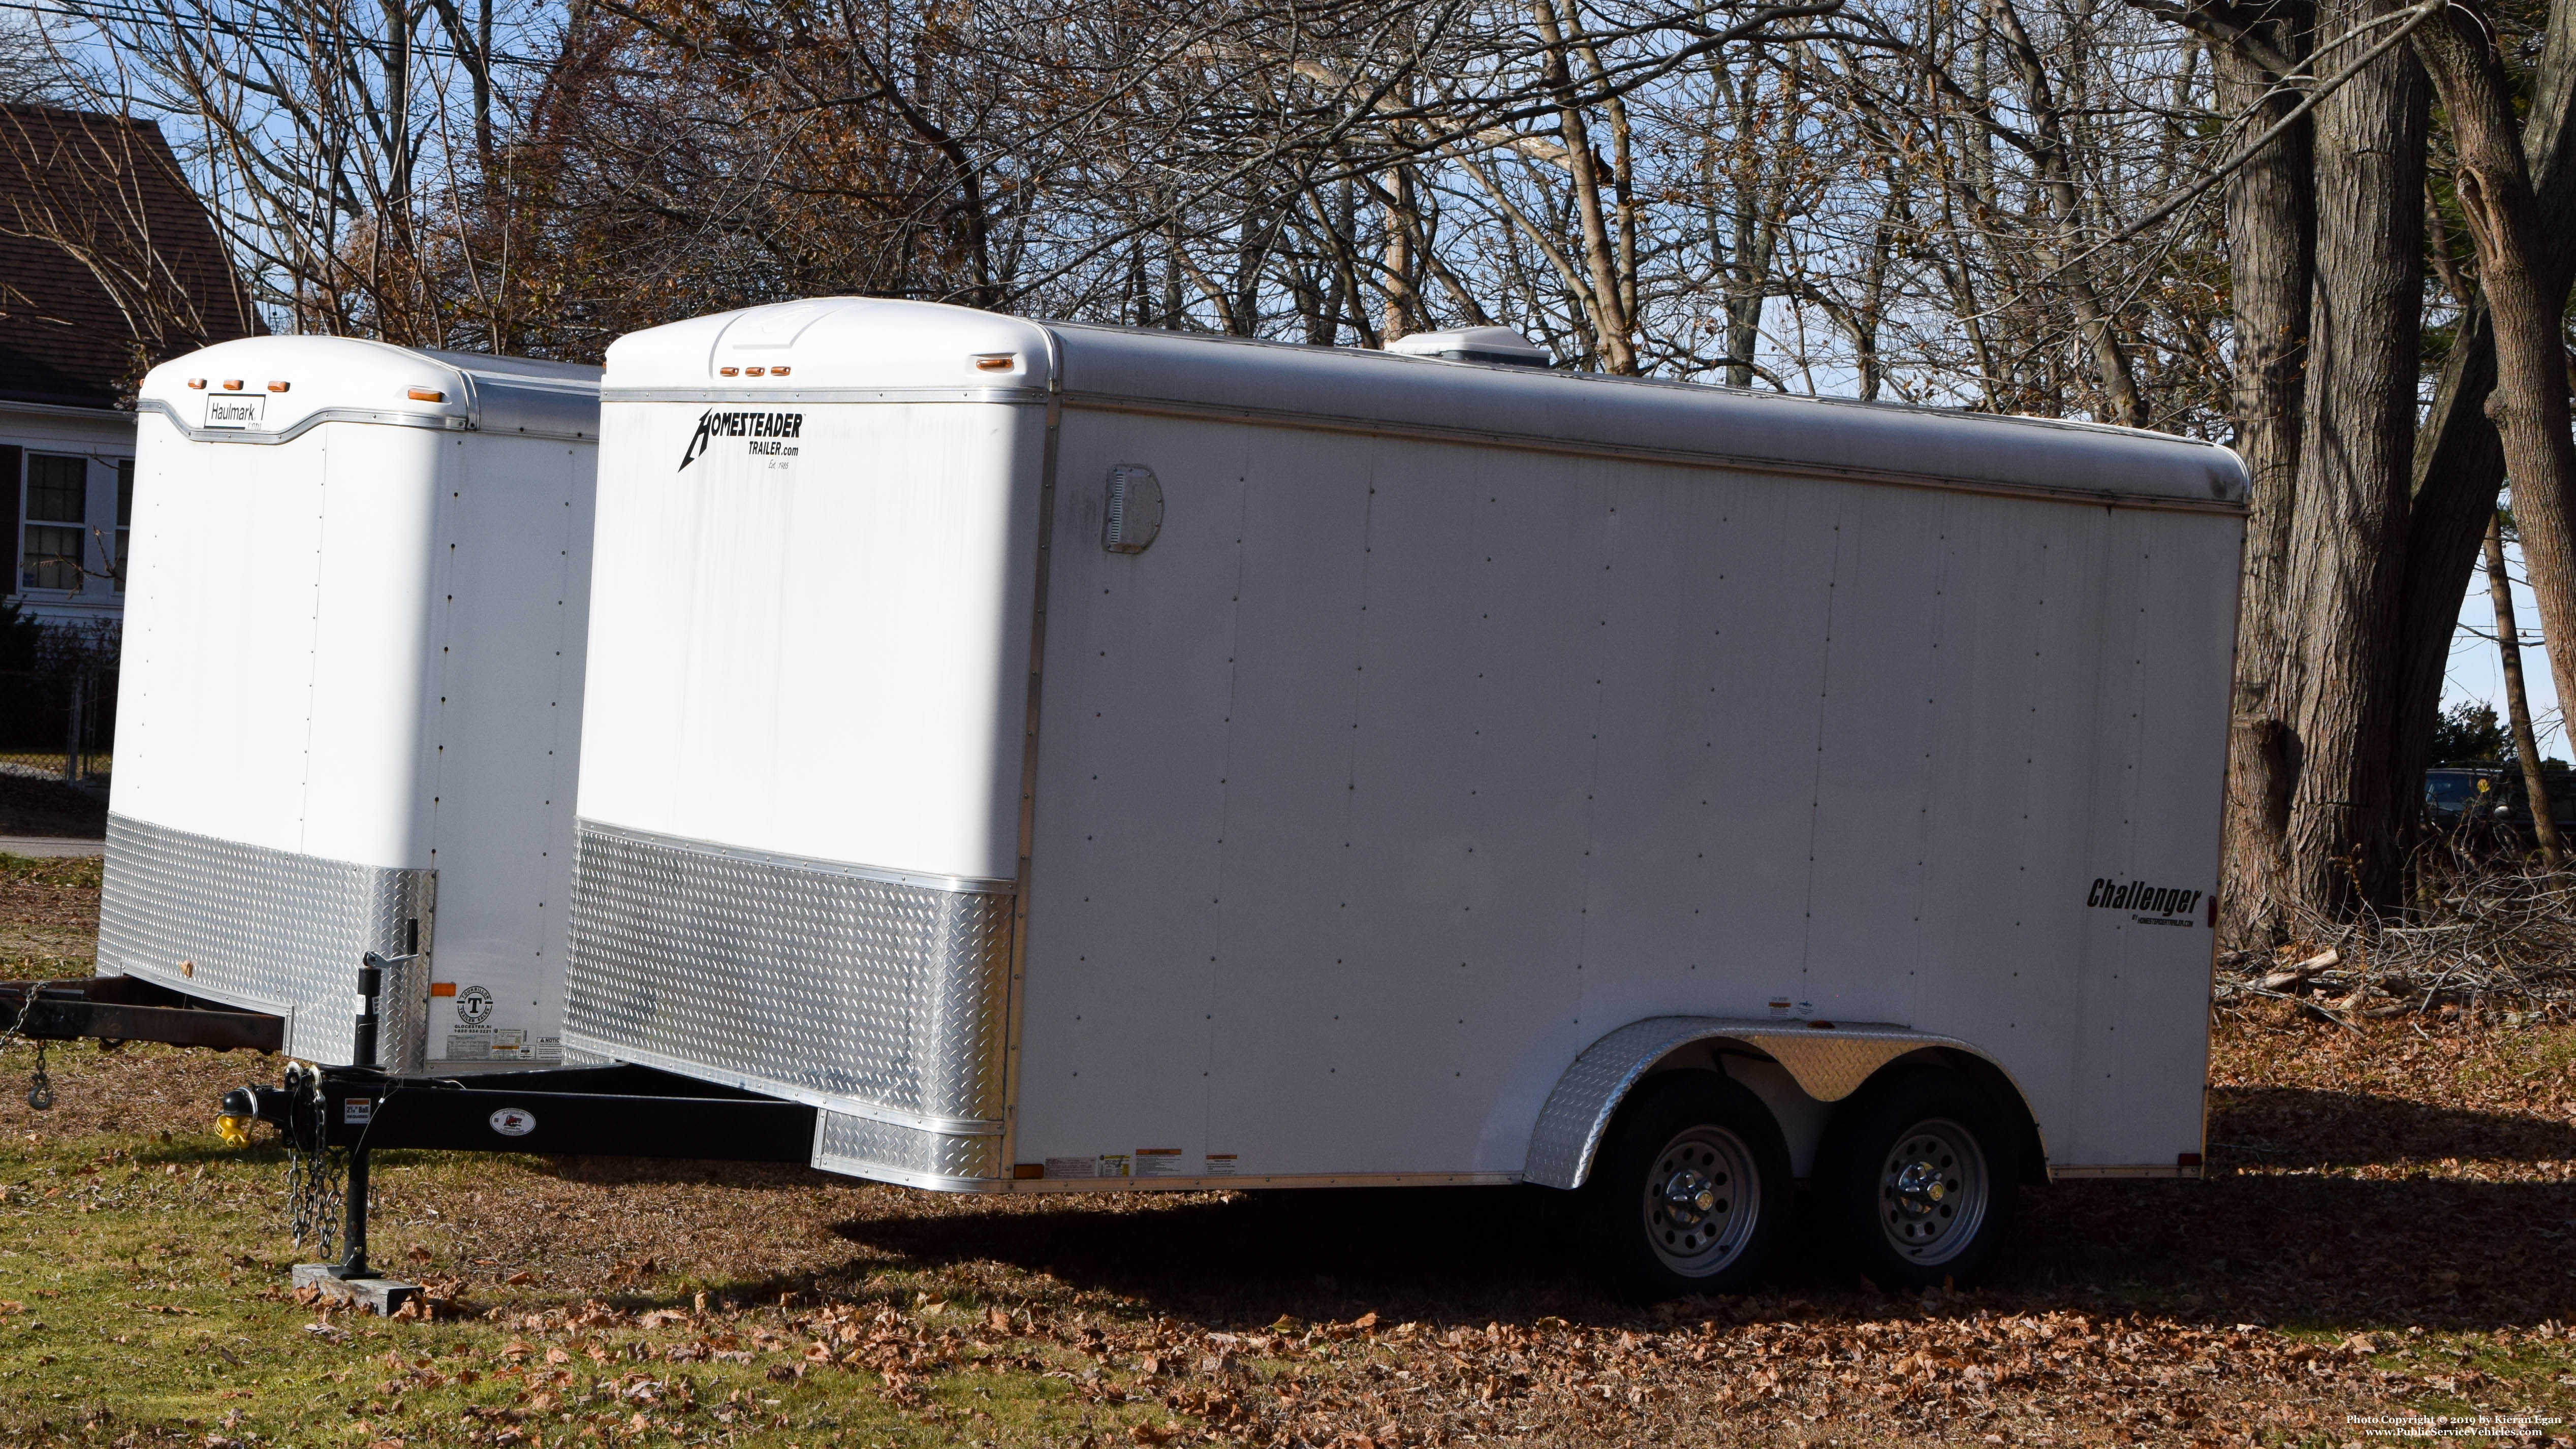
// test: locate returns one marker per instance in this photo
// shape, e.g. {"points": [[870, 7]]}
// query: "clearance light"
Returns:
{"points": [[427, 394], [728, 372], [996, 362], [778, 372], [277, 387], [232, 384], [754, 371], [197, 382]]}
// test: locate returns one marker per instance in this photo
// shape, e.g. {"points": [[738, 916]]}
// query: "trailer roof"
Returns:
{"points": [[861, 349], [350, 379]]}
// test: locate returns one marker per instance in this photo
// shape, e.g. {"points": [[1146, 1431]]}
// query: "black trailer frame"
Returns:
{"points": [[129, 1008], [615, 1111]]}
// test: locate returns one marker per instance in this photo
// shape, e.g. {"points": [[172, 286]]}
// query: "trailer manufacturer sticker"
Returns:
{"points": [[767, 431], [514, 1121], [474, 1006], [2148, 905], [244, 411], [1073, 1167]]}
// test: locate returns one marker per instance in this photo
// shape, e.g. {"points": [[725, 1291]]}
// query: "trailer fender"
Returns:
{"points": [[1828, 1061]]}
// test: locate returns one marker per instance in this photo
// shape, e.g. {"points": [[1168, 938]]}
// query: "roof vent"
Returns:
{"points": [[1474, 344]]}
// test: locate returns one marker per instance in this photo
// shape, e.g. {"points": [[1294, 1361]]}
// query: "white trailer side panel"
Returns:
{"points": [[1596, 740], [512, 597]]}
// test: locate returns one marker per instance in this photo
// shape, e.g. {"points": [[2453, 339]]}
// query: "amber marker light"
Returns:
{"points": [[728, 372], [754, 371], [426, 394], [778, 372], [198, 383], [232, 384], [997, 362], [278, 387]]}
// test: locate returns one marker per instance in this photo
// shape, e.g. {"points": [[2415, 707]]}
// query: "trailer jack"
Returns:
{"points": [[613, 1110]]}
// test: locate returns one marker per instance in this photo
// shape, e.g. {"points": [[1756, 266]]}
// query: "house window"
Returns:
{"points": [[124, 517], [57, 508]]}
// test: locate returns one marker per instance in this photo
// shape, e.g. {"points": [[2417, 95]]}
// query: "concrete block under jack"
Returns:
{"points": [[384, 1296]]}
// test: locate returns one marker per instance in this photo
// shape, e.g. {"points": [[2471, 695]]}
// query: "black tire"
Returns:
{"points": [[1915, 1180], [1701, 1135]]}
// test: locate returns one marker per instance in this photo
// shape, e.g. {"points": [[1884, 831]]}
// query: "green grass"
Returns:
{"points": [[142, 1291]]}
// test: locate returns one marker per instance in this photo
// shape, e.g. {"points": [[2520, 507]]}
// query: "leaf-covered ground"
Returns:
{"points": [[2385, 1237]]}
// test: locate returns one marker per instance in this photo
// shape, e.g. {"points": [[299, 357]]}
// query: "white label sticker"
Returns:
{"points": [[1073, 1167], [235, 410], [509, 1039], [1158, 1162], [514, 1121], [1219, 1164], [358, 1110], [550, 1048], [1112, 1164]]}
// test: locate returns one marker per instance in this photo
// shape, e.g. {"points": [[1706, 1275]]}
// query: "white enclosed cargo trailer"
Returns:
{"points": [[352, 691], [1075, 758]]}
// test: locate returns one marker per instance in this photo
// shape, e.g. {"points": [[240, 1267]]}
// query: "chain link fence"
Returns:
{"points": [[58, 707]]}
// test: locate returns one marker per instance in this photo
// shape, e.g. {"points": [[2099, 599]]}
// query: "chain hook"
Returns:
{"points": [[40, 1088]]}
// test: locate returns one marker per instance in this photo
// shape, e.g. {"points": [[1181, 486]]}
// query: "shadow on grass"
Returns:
{"points": [[2254, 1243], [2297, 1127]]}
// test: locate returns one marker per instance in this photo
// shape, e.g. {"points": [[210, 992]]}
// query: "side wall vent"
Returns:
{"points": [[1135, 509]]}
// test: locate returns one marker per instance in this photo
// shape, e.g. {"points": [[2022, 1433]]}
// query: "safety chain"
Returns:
{"points": [[40, 1087], [315, 1173]]}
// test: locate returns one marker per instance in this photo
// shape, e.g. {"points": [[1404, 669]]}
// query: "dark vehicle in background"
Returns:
{"points": [[2482, 800]]}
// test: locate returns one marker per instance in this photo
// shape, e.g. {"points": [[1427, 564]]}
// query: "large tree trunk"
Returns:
{"points": [[2271, 249], [2459, 464], [2525, 304], [2348, 525]]}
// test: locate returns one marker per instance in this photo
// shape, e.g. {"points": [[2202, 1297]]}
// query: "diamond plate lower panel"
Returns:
{"points": [[270, 930], [870, 996], [892, 1153]]}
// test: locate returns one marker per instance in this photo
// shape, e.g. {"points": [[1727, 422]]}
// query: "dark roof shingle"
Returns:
{"points": [[108, 262]]}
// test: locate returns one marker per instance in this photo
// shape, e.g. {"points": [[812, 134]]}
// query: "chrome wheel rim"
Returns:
{"points": [[1932, 1192], [1702, 1195]]}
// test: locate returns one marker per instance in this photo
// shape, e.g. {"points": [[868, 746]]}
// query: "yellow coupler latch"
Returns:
{"points": [[234, 1130]]}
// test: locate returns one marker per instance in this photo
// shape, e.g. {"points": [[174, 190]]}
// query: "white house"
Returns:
{"points": [[107, 262]]}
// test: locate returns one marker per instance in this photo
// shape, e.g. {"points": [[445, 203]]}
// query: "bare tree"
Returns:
{"points": [[2526, 744]]}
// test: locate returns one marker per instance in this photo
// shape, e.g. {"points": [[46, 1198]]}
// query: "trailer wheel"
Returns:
{"points": [[1689, 1193], [1914, 1180]]}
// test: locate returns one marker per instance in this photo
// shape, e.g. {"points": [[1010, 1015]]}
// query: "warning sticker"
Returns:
{"points": [[549, 1048], [1073, 1167], [1219, 1164], [358, 1111], [1158, 1162], [510, 1041], [1112, 1164]]}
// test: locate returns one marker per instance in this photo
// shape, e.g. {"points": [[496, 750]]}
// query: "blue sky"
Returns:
{"points": [[2475, 673]]}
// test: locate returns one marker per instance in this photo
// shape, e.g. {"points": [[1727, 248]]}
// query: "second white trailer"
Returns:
{"points": [[352, 692], [1075, 759]]}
